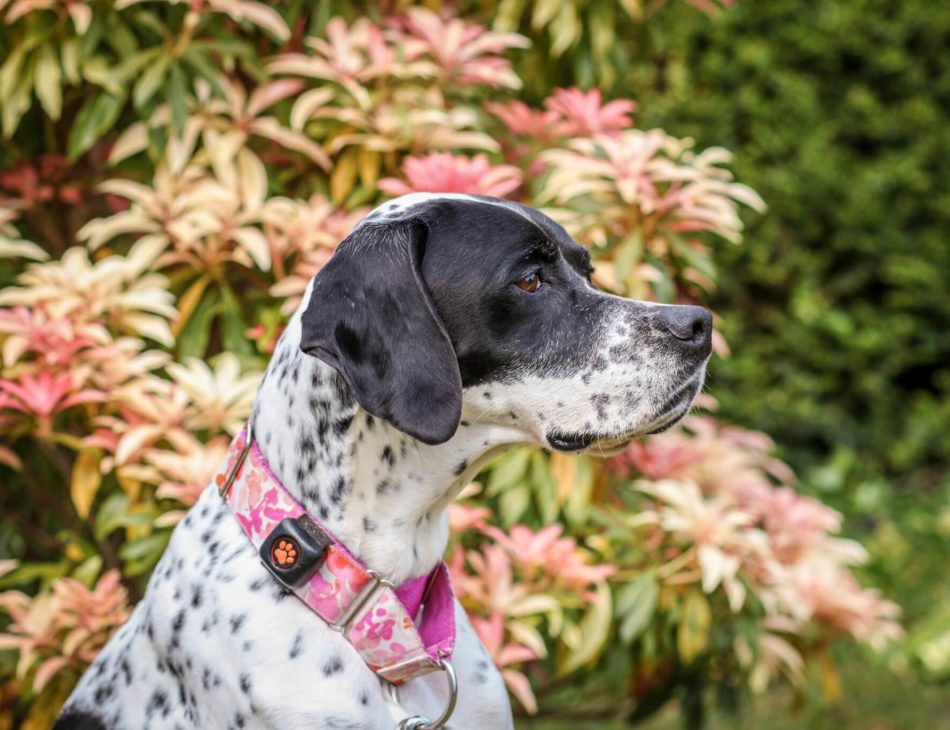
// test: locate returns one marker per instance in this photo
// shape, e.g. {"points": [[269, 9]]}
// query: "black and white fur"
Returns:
{"points": [[414, 359]]}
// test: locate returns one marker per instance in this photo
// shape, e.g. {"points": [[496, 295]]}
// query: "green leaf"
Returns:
{"points": [[17, 103], [146, 20], [233, 327], [692, 634], [577, 507], [150, 81], [69, 53], [109, 514], [361, 195], [141, 555], [204, 68], [513, 504], [545, 491], [664, 287], [89, 41], [145, 546], [157, 142], [119, 36], [193, 339], [508, 471], [48, 82], [10, 71], [177, 96], [566, 30], [636, 602], [319, 19], [124, 72], [188, 301], [508, 15], [343, 177], [594, 630], [542, 13], [88, 570], [697, 258], [94, 119], [85, 482], [602, 28], [38, 32], [229, 48], [30, 572], [253, 67], [628, 255], [44, 706], [117, 511]]}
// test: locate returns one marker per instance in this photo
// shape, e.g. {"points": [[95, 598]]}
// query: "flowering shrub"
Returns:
{"points": [[697, 531], [591, 39], [209, 170], [66, 627]]}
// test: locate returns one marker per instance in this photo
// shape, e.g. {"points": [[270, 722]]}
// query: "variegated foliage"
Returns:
{"points": [[196, 174]]}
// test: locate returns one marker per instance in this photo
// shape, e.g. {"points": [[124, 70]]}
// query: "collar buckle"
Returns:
{"points": [[361, 601]]}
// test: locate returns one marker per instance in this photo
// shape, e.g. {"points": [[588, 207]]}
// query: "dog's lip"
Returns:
{"points": [[611, 444], [570, 442], [670, 419]]}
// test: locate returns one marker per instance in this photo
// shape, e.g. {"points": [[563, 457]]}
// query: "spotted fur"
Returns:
{"points": [[216, 643]]}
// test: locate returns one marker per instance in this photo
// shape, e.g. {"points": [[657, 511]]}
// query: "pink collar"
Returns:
{"points": [[373, 615]]}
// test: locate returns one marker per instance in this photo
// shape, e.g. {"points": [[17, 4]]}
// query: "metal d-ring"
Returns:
{"points": [[421, 722]]}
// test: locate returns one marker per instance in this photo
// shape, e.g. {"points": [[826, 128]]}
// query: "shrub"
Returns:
{"points": [[836, 337], [176, 176], [834, 309]]}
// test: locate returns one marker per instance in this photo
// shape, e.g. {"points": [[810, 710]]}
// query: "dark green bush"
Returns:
{"points": [[837, 309]]}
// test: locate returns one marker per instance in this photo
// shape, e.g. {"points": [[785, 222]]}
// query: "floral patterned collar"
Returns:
{"points": [[375, 616]]}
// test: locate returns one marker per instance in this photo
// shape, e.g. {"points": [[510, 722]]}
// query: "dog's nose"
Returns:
{"points": [[692, 326]]}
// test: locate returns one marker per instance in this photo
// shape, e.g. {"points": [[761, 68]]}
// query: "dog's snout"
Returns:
{"points": [[692, 326]]}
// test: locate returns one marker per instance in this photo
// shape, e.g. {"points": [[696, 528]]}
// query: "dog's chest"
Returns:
{"points": [[217, 643]]}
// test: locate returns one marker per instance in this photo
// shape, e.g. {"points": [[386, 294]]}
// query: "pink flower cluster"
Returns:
{"points": [[64, 627], [443, 172], [567, 113], [521, 573], [720, 500]]}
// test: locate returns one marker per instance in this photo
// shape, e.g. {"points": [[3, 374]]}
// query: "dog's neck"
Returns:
{"points": [[382, 493]]}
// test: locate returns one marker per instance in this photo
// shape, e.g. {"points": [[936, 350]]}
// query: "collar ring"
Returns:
{"points": [[421, 722]]}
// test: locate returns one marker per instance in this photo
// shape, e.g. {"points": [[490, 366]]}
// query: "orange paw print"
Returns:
{"points": [[284, 552]]}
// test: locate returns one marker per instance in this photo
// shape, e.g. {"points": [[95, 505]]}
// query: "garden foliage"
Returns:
{"points": [[843, 316], [174, 174], [837, 312]]}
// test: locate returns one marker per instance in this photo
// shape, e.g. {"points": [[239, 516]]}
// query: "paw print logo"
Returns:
{"points": [[284, 553]]}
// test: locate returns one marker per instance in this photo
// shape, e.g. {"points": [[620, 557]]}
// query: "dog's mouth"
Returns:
{"points": [[670, 413]]}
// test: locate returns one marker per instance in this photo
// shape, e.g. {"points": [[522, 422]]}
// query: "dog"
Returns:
{"points": [[444, 330]]}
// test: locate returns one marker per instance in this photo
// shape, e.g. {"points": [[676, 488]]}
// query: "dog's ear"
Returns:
{"points": [[371, 317]]}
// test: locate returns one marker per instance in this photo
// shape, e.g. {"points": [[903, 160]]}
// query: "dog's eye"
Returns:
{"points": [[530, 283]]}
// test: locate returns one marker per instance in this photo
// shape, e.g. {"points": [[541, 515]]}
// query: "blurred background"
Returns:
{"points": [[172, 174]]}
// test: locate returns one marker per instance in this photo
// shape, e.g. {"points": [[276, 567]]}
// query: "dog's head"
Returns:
{"points": [[439, 303]]}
